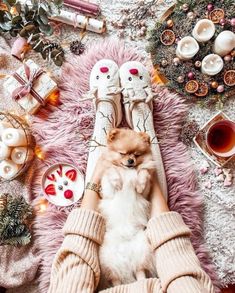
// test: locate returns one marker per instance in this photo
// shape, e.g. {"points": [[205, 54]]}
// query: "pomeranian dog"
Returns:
{"points": [[126, 255]]}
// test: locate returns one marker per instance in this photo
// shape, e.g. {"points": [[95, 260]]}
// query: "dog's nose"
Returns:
{"points": [[130, 161]]}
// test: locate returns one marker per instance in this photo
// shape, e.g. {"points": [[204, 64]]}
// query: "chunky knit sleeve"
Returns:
{"points": [[76, 265], [177, 265]]}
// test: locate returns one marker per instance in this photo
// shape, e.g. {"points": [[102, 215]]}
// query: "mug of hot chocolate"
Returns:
{"points": [[220, 138]]}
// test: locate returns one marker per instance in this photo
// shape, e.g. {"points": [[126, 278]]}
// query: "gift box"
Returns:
{"points": [[30, 86]]}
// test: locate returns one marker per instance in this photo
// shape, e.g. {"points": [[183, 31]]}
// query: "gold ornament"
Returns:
{"points": [[164, 63], [229, 78], [169, 23], [185, 7], [167, 37], [214, 84], [180, 79]]}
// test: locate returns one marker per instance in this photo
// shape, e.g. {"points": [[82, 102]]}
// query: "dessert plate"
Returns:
{"points": [[63, 184]]}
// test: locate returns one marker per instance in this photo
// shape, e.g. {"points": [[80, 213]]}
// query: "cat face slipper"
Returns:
{"points": [[105, 87], [136, 85], [63, 184]]}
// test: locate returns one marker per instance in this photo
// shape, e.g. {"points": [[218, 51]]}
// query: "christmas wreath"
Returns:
{"points": [[187, 76]]}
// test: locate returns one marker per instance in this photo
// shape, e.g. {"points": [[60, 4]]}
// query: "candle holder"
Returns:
{"points": [[10, 121]]}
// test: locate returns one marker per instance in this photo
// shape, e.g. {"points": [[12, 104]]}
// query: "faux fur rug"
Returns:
{"points": [[65, 137]]}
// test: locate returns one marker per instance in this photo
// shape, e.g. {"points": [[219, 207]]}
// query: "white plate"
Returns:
{"points": [[63, 184]]}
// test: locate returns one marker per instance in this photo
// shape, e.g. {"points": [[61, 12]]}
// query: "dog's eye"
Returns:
{"points": [[130, 79], [108, 76], [123, 154], [137, 155], [97, 77], [141, 77]]}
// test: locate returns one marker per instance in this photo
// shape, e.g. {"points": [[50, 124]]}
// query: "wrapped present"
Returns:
{"points": [[30, 86]]}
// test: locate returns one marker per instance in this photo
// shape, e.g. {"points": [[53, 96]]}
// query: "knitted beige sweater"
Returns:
{"points": [[76, 265]]}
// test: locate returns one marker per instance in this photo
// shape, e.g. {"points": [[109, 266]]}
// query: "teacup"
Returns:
{"points": [[220, 138]]}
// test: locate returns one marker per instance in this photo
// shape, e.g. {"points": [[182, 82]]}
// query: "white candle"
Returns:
{"points": [[14, 137], [4, 125], [21, 155], [8, 169], [187, 48], [5, 151], [224, 43], [204, 30], [212, 64]]}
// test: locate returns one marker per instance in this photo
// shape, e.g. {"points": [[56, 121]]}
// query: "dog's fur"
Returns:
{"points": [[125, 255]]}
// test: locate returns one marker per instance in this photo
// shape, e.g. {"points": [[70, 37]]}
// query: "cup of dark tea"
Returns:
{"points": [[220, 138]]}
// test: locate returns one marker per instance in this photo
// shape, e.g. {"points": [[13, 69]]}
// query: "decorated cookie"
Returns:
{"points": [[63, 184]]}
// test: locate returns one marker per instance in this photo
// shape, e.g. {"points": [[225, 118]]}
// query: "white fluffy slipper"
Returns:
{"points": [[105, 91], [137, 98]]}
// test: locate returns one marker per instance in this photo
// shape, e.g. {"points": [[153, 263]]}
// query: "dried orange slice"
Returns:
{"points": [[202, 89], [229, 78], [216, 15], [191, 86], [167, 37]]}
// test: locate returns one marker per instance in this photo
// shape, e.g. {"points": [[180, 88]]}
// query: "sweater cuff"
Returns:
{"points": [[165, 227], [86, 223]]}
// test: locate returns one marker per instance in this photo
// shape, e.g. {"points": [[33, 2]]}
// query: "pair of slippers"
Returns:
{"points": [[108, 81], [108, 84]]}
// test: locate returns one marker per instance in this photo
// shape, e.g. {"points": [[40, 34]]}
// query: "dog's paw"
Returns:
{"points": [[143, 180], [115, 179]]}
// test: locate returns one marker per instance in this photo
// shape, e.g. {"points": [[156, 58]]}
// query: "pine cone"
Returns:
{"points": [[77, 47]]}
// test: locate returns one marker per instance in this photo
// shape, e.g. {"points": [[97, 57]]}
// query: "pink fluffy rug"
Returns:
{"points": [[64, 133]]}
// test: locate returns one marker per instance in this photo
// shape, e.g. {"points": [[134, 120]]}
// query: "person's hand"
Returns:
{"points": [[91, 198], [158, 202]]}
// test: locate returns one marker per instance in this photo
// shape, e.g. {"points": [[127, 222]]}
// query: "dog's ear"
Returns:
{"points": [[112, 134], [145, 137]]}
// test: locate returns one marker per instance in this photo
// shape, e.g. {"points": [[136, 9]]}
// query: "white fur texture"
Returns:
{"points": [[125, 254]]}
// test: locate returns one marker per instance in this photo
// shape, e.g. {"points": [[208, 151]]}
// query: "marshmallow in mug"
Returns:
{"points": [[14, 137], [21, 155], [8, 169], [5, 151]]}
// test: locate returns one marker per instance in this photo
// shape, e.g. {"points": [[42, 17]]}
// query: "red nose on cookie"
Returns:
{"points": [[133, 71], [104, 69], [68, 194]]}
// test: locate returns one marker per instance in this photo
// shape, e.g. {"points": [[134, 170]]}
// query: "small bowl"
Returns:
{"points": [[220, 138], [63, 184]]}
